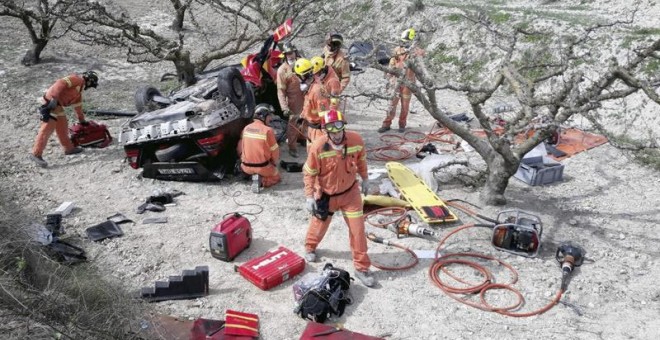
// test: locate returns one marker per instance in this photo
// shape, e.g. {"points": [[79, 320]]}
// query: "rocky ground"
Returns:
{"points": [[606, 203]]}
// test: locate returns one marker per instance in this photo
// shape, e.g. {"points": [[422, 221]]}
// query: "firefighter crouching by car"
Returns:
{"points": [[259, 150], [330, 177], [406, 49], [336, 59], [316, 99], [64, 92], [290, 96]]}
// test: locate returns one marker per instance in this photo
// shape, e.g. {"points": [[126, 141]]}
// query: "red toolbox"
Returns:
{"points": [[229, 237], [272, 268], [319, 331], [91, 134]]}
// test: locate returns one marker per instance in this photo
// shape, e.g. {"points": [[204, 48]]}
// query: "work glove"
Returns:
{"points": [[45, 114], [84, 122], [286, 113], [310, 204], [365, 186]]}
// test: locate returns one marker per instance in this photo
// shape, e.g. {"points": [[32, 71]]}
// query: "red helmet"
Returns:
{"points": [[333, 121]]}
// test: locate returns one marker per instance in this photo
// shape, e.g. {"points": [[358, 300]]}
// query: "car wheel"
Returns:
{"points": [[173, 153], [250, 103], [232, 86], [144, 99]]}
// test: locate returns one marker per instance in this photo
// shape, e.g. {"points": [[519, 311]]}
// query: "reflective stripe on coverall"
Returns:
{"points": [[400, 92], [68, 92], [341, 66], [291, 98], [334, 171], [258, 146]]}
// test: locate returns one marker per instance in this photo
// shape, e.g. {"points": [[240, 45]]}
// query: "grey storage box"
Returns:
{"points": [[539, 170]]}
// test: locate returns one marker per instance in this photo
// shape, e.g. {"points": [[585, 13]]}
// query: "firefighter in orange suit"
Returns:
{"points": [[259, 150], [335, 58], [328, 78], [317, 99], [64, 92], [330, 176], [290, 96], [401, 92]]}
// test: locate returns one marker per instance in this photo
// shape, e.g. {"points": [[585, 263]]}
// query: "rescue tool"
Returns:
{"points": [[569, 256], [427, 204], [272, 268], [518, 232]]}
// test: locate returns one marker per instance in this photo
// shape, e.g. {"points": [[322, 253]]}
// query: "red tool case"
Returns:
{"points": [[272, 268], [92, 134], [318, 331]]}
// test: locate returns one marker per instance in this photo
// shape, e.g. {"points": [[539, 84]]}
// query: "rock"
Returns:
{"points": [[622, 236], [572, 221]]}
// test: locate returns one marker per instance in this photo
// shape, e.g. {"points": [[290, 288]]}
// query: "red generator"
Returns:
{"points": [[230, 237], [272, 268], [90, 134]]}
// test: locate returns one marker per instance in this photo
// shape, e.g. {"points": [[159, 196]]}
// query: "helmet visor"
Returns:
{"points": [[335, 126]]}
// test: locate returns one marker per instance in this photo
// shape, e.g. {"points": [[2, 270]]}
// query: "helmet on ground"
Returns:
{"points": [[263, 110], [288, 48], [408, 35], [303, 68], [333, 121], [91, 79], [317, 63]]}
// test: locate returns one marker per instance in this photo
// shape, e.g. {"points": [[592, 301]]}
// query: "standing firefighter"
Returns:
{"points": [[326, 76], [64, 92], [335, 58], [290, 96], [330, 177], [259, 150], [398, 60]]}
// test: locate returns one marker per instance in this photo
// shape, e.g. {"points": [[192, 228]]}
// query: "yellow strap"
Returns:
{"points": [[353, 149], [274, 147], [254, 135], [67, 81], [242, 317], [327, 154], [309, 170], [353, 214], [231, 325]]}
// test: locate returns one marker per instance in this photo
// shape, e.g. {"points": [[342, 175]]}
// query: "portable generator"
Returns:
{"points": [[229, 237], [518, 232]]}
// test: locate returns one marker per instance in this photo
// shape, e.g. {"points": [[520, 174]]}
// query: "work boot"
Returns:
{"points": [[38, 160], [383, 129], [366, 278], [293, 153], [310, 256], [74, 151], [256, 183], [402, 129]]}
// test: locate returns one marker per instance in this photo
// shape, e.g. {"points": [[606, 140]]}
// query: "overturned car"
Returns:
{"points": [[190, 135]]}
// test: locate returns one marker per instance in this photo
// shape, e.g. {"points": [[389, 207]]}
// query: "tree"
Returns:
{"points": [[222, 29], [41, 19], [551, 76]]}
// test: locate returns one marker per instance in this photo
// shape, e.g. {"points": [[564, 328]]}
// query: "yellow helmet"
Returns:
{"points": [[408, 35], [318, 63], [303, 67]]}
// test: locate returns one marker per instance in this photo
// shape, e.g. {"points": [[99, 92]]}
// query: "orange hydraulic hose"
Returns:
{"points": [[398, 214]]}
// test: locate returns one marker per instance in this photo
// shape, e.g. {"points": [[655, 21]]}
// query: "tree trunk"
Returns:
{"points": [[33, 56], [499, 173], [185, 70], [177, 23]]}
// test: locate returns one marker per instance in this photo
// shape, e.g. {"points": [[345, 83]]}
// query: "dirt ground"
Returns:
{"points": [[606, 203]]}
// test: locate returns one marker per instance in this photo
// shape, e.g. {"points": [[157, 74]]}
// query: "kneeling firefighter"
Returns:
{"points": [[330, 177], [259, 150]]}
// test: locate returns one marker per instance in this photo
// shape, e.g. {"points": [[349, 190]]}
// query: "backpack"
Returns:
{"points": [[328, 297]]}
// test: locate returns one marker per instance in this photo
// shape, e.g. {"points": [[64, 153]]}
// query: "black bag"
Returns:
{"points": [[328, 298]]}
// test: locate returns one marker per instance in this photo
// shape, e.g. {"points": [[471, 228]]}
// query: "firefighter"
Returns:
{"points": [[330, 176], [64, 92], [334, 57], [401, 53], [317, 98], [259, 150], [290, 96]]}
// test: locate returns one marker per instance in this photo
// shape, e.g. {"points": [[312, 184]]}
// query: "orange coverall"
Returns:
{"points": [[68, 92], [260, 153], [401, 92], [318, 99], [291, 98], [341, 66], [334, 173]]}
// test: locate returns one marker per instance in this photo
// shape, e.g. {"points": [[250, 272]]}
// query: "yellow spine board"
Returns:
{"points": [[429, 207]]}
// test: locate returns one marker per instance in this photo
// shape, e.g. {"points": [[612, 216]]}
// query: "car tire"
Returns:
{"points": [[143, 99], [232, 86], [250, 103], [174, 153]]}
